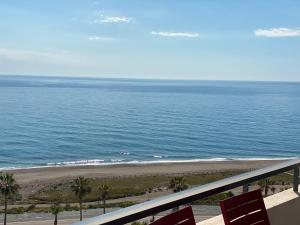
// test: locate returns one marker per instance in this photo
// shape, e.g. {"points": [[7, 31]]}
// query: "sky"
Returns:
{"points": [[159, 39]]}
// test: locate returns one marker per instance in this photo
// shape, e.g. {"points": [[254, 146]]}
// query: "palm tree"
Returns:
{"points": [[81, 188], [55, 210], [273, 189], [104, 192], [9, 189], [178, 184], [265, 186]]}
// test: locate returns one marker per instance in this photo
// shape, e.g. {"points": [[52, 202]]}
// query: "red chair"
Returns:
{"points": [[245, 209], [181, 217]]}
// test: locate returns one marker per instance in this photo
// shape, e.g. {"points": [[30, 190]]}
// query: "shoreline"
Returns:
{"points": [[84, 163], [50, 174]]}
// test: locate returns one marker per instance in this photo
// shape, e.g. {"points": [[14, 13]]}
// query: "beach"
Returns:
{"points": [[50, 174]]}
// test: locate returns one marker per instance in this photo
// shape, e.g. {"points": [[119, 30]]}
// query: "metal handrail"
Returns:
{"points": [[142, 210]]}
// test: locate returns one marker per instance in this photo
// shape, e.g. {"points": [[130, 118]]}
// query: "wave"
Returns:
{"points": [[160, 156], [99, 162], [124, 153], [80, 162]]}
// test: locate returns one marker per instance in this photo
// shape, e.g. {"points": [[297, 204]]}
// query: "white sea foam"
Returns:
{"points": [[99, 162], [124, 153], [117, 160], [80, 162]]}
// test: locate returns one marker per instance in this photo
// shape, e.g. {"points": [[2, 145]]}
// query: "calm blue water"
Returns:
{"points": [[57, 121]]}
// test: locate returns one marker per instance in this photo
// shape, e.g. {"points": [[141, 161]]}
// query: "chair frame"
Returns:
{"points": [[183, 216], [245, 209]]}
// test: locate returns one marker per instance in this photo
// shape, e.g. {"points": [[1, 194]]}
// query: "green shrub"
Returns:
{"points": [[139, 223], [30, 208], [214, 199], [16, 210]]}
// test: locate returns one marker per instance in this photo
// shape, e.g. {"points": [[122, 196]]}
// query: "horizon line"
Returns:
{"points": [[145, 79]]}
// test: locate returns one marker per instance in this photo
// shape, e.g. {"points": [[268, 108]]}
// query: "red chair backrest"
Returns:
{"points": [[181, 217], [245, 209]]}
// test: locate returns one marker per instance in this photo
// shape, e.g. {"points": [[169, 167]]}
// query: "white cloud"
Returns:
{"points": [[100, 38], [116, 19], [112, 19], [277, 32], [175, 34]]}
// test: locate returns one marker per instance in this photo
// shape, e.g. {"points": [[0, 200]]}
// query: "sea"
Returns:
{"points": [[61, 121]]}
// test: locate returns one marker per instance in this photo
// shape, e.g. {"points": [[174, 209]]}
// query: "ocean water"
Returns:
{"points": [[52, 121]]}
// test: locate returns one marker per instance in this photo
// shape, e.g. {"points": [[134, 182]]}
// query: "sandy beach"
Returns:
{"points": [[48, 174]]}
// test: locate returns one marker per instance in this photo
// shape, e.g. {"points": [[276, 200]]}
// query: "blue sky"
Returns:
{"points": [[167, 39]]}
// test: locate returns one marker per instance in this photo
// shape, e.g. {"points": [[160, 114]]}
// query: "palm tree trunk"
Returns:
{"points": [[5, 209], [152, 218], [55, 220], [266, 190], [104, 206], [80, 209]]}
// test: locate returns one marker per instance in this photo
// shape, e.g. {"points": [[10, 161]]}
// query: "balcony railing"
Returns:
{"points": [[139, 211]]}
